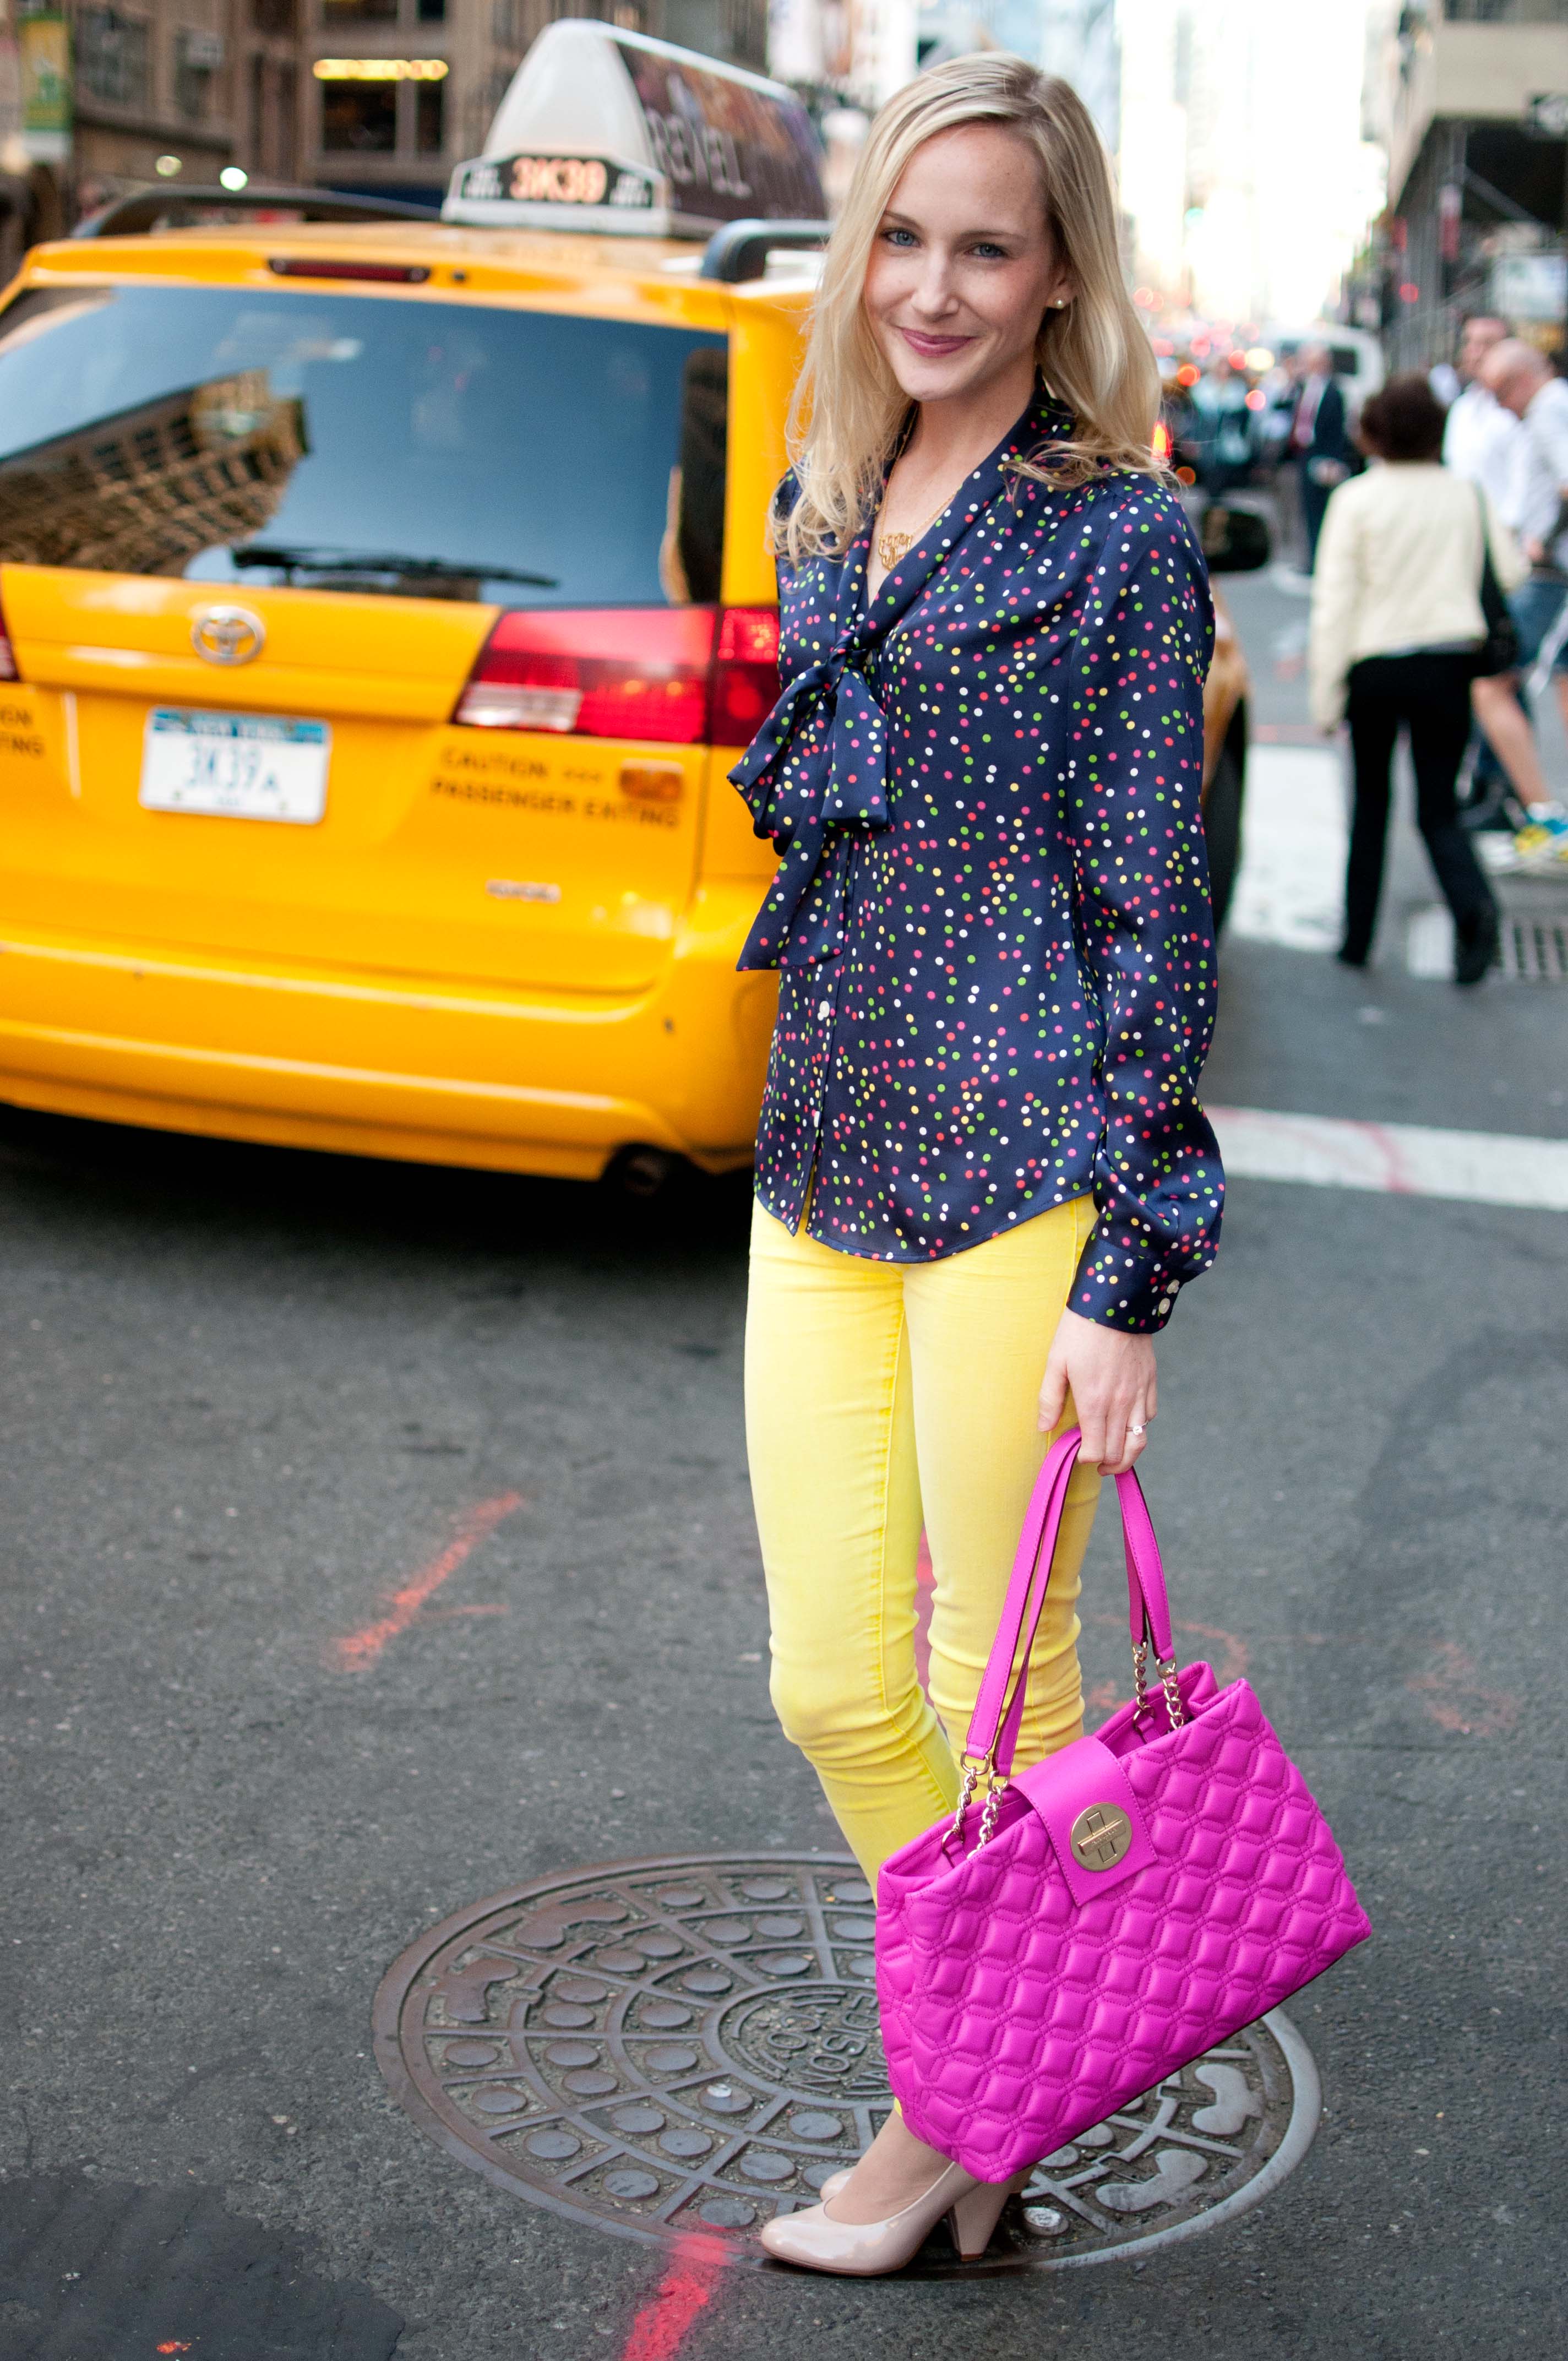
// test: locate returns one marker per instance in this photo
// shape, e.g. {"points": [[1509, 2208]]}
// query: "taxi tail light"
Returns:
{"points": [[745, 674], [677, 674], [9, 669], [609, 672]]}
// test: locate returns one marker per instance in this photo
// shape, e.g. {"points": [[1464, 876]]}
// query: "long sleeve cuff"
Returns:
{"points": [[1120, 1284]]}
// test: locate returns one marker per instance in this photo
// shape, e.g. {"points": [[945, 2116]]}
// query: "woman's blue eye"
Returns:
{"points": [[986, 247], [893, 236]]}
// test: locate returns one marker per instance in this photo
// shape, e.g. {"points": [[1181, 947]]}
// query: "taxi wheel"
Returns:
{"points": [[1223, 832], [648, 1175]]}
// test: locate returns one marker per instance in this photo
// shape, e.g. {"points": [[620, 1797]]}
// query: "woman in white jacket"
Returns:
{"points": [[1396, 627]]}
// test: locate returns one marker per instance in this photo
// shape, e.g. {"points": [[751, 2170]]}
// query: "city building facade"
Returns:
{"points": [[1470, 99], [380, 96], [1243, 205]]}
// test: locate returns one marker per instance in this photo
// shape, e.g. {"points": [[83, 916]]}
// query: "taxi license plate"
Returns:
{"points": [[235, 765]]}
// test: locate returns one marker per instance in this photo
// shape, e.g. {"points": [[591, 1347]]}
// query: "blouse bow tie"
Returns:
{"points": [[819, 758], [817, 767]]}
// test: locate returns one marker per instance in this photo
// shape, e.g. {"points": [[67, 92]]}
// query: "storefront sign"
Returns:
{"points": [[10, 87], [380, 69], [44, 46], [1529, 286]]}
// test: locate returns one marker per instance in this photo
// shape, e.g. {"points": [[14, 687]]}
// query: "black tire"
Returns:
{"points": [[1223, 830]]}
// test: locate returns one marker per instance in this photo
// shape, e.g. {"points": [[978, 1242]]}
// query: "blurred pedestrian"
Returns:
{"points": [[1484, 442], [1526, 384], [979, 393], [1225, 431], [1481, 440], [1397, 628], [1319, 442], [1282, 391]]}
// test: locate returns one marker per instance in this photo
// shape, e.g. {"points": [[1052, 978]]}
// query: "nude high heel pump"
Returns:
{"points": [[1015, 2188], [816, 2242], [974, 2217]]}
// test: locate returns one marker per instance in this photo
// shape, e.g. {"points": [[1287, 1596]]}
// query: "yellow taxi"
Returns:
{"points": [[382, 604]]}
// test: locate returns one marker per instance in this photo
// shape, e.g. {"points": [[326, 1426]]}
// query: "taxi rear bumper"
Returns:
{"points": [[515, 1080]]}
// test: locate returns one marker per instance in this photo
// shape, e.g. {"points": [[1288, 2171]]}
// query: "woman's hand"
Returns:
{"points": [[1112, 1378]]}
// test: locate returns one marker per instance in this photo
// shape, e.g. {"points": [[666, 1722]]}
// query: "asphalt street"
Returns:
{"points": [[253, 1398]]}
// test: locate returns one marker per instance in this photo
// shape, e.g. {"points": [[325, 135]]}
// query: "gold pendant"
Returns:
{"points": [[891, 547]]}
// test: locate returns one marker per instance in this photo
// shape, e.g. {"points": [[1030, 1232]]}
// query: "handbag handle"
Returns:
{"points": [[999, 1708]]}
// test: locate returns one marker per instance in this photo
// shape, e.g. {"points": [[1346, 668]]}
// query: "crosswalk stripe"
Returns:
{"points": [[1477, 1168]]}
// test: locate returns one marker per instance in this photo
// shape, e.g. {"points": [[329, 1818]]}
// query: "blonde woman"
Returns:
{"points": [[982, 1172]]}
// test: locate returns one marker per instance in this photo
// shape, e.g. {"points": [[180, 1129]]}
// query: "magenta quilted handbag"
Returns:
{"points": [[1098, 1920]]}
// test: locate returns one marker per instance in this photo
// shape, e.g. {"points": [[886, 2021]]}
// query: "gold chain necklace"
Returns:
{"points": [[891, 548]]}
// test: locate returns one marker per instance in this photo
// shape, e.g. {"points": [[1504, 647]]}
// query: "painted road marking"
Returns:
{"points": [[1291, 885], [662, 2327], [1476, 1168], [359, 1650]]}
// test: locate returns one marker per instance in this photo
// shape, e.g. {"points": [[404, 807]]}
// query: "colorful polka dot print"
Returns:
{"points": [[991, 912]]}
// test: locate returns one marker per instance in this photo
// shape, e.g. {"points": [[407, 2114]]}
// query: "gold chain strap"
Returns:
{"points": [[1175, 1710]]}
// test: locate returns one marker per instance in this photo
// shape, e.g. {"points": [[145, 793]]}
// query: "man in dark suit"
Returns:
{"points": [[1320, 443]]}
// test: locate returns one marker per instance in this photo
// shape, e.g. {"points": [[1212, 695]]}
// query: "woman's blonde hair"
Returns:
{"points": [[849, 411]]}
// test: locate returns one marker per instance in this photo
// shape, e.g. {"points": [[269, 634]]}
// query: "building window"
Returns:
{"points": [[288, 96], [278, 17], [431, 12], [745, 34], [359, 118], [339, 12], [197, 57], [430, 117], [272, 101], [112, 57]]}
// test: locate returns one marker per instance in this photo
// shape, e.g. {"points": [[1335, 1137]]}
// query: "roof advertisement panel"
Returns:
{"points": [[604, 130], [730, 150]]}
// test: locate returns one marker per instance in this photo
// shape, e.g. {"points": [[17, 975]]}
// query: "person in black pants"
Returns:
{"points": [[1396, 633], [1430, 695]]}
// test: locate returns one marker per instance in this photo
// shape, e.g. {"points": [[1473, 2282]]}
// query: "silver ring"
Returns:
{"points": [[1136, 1430]]}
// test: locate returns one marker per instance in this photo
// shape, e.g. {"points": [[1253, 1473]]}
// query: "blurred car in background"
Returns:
{"points": [[1236, 539], [1357, 353]]}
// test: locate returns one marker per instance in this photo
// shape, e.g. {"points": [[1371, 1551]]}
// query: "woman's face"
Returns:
{"points": [[963, 264]]}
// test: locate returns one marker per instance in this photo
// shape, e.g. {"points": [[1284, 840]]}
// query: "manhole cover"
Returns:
{"points": [[637, 2047]]}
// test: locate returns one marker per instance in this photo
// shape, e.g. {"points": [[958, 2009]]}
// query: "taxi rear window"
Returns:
{"points": [[411, 449]]}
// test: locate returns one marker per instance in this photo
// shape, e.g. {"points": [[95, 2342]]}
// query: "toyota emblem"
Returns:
{"points": [[229, 635]]}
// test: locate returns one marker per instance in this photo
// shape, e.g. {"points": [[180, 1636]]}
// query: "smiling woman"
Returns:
{"points": [[982, 1172], [966, 282]]}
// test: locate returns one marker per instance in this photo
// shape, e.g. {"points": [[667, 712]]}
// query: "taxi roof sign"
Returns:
{"points": [[610, 131]]}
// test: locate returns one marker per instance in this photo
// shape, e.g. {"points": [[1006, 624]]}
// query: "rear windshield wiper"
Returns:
{"points": [[289, 560]]}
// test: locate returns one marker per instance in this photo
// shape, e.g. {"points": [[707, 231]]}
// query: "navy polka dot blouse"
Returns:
{"points": [[991, 911]]}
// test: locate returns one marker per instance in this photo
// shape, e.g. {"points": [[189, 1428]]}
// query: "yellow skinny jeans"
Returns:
{"points": [[878, 1395]]}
